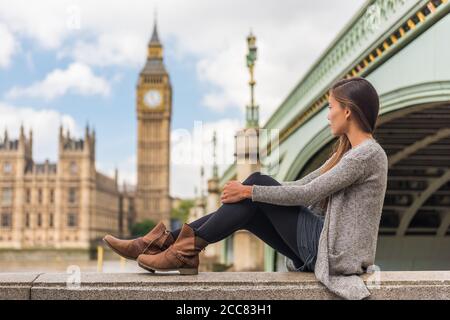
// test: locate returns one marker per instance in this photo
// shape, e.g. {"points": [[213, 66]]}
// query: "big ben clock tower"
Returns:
{"points": [[154, 107]]}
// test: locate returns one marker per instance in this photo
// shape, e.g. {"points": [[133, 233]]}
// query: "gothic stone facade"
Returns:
{"points": [[63, 205]]}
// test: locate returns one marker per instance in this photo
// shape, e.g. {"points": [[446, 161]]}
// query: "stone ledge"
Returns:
{"points": [[16, 286], [216, 285]]}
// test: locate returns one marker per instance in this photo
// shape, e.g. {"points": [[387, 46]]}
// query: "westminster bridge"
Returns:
{"points": [[402, 47]]}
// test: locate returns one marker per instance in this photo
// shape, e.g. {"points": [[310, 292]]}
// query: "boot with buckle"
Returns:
{"points": [[155, 241], [181, 256]]}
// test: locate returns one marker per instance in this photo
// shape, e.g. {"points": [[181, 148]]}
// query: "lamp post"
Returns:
{"points": [[252, 114]]}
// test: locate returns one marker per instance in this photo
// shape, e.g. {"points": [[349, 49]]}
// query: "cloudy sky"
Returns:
{"points": [[76, 62]]}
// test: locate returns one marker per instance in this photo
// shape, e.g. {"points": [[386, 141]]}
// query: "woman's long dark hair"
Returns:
{"points": [[362, 99]]}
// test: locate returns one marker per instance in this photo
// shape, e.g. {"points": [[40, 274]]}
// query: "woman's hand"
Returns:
{"points": [[235, 191]]}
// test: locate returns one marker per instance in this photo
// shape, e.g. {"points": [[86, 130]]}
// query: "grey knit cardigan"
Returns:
{"points": [[356, 186]]}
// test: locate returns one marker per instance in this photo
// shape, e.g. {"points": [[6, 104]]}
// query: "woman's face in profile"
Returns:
{"points": [[336, 117]]}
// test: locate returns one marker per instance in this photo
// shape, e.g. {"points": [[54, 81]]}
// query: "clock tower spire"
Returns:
{"points": [[153, 109], [155, 50]]}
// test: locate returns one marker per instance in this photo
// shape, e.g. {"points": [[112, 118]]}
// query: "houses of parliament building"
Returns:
{"points": [[69, 204], [60, 205]]}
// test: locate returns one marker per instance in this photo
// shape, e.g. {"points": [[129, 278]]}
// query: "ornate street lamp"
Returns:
{"points": [[252, 114]]}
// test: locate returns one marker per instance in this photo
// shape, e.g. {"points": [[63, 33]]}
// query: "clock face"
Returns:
{"points": [[152, 98]]}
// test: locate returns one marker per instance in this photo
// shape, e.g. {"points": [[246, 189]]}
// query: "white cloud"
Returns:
{"points": [[76, 79], [8, 46], [44, 123], [291, 34], [45, 22], [108, 49]]}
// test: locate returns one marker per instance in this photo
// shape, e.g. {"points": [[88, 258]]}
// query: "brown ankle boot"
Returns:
{"points": [[181, 256], [157, 240]]}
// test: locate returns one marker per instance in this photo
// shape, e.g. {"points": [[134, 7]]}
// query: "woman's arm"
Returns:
{"points": [[309, 177], [343, 174], [234, 190]]}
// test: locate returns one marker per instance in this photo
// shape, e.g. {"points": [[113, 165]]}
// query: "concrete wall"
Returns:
{"points": [[217, 285]]}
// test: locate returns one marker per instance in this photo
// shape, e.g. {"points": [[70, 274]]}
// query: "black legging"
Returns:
{"points": [[275, 225]]}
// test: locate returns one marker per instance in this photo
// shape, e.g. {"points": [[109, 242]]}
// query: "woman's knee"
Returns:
{"points": [[260, 179], [252, 178]]}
